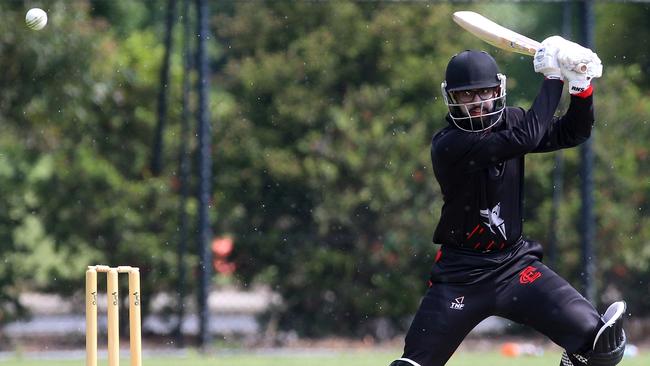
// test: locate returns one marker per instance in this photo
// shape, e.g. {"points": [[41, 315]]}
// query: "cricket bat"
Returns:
{"points": [[499, 36], [494, 34]]}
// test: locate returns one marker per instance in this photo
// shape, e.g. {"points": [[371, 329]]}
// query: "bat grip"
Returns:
{"points": [[581, 68]]}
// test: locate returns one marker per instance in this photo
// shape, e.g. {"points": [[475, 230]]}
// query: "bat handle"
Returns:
{"points": [[581, 68]]}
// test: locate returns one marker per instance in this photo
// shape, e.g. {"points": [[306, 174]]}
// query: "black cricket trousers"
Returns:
{"points": [[467, 286]]}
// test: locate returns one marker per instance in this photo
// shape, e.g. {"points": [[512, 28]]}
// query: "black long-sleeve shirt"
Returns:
{"points": [[481, 174]]}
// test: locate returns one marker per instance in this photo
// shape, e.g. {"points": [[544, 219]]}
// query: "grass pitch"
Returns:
{"points": [[316, 358]]}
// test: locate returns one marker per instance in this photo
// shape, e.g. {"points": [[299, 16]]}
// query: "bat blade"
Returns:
{"points": [[495, 34]]}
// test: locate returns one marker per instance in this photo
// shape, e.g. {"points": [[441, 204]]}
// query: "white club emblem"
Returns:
{"points": [[493, 220], [457, 304]]}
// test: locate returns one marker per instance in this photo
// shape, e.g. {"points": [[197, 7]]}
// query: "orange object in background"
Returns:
{"points": [[510, 349], [221, 249], [513, 349]]}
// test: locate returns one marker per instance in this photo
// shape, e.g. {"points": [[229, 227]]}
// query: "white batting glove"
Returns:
{"points": [[581, 59], [579, 65], [546, 60], [578, 81]]}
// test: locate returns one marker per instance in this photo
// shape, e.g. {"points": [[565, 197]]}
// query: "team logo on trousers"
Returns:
{"points": [[529, 275], [457, 304]]}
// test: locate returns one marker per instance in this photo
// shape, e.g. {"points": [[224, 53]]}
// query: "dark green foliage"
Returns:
{"points": [[322, 115]]}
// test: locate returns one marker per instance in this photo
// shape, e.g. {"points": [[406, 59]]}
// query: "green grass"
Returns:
{"points": [[323, 358]]}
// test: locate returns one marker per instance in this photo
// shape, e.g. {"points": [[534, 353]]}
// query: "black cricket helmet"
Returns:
{"points": [[474, 70]]}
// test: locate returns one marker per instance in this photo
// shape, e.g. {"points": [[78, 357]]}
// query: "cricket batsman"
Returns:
{"points": [[485, 265]]}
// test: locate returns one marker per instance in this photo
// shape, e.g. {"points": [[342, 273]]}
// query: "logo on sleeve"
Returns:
{"points": [[529, 275], [577, 89], [457, 304]]}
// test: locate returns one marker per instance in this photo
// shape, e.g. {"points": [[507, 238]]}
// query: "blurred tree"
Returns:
{"points": [[337, 104], [76, 127], [322, 171], [623, 36], [331, 144]]}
